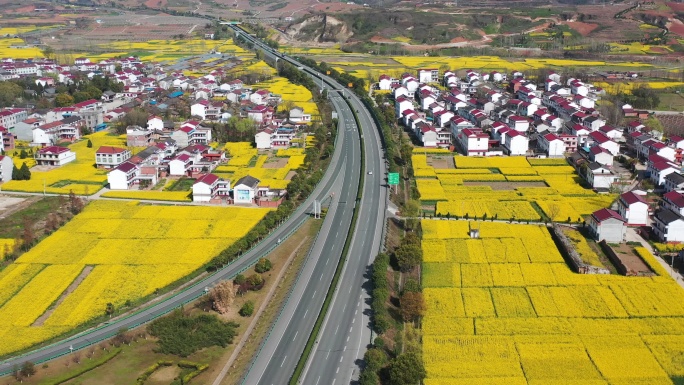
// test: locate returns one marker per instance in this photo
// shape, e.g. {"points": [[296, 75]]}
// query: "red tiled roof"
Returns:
{"points": [[209, 179], [676, 198], [53, 150], [660, 166], [631, 198], [125, 166], [605, 214], [110, 150]]}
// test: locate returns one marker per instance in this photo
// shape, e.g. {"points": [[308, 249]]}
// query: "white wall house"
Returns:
{"points": [[516, 143], [552, 145], [109, 157], [6, 167], [472, 142], [263, 139], [209, 187], [245, 189], [608, 225], [633, 208], [54, 156], [600, 177], [123, 176], [674, 201], [668, 226], [180, 165]]}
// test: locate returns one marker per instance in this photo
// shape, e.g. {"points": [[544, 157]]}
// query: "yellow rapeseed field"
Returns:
{"points": [[524, 190], [299, 95], [506, 309], [133, 250]]}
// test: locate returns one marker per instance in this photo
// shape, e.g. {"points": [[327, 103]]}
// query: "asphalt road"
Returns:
{"points": [[104, 332], [346, 331], [345, 334], [280, 353]]}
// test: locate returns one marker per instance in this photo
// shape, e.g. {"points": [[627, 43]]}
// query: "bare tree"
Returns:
{"points": [[554, 210], [222, 296]]}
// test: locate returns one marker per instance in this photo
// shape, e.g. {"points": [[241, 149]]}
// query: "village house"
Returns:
{"points": [[674, 201], [6, 139], [608, 225], [472, 142], [668, 226], [245, 190], [137, 136], [633, 208], [109, 157], [6, 168], [191, 132], [674, 182], [54, 156], [599, 176], [209, 188], [123, 176]]}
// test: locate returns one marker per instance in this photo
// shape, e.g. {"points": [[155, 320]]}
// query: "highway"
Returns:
{"points": [[280, 353], [345, 334], [346, 331], [93, 336]]}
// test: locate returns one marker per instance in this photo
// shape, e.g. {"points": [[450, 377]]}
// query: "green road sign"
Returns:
{"points": [[393, 178]]}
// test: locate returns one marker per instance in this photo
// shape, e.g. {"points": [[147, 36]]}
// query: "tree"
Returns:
{"points": [[76, 204], [369, 377], [28, 235], [247, 309], [222, 296], [24, 172], [89, 144], [27, 369], [109, 309], [412, 305], [23, 154], [16, 175], [406, 369], [136, 117], [255, 280], [64, 100], [409, 254], [9, 92], [375, 359], [654, 123], [51, 223], [263, 265], [554, 209], [411, 211], [48, 51]]}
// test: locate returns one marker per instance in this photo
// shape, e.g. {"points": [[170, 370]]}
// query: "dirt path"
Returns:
{"points": [[69, 290]]}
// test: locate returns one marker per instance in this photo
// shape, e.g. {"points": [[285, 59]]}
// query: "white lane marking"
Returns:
{"points": [[295, 336], [326, 356], [281, 365], [345, 348], [337, 328], [341, 358], [319, 378], [338, 370], [307, 310], [314, 294]]}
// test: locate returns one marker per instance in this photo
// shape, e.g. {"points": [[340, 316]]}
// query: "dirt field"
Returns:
{"points": [[583, 29]]}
